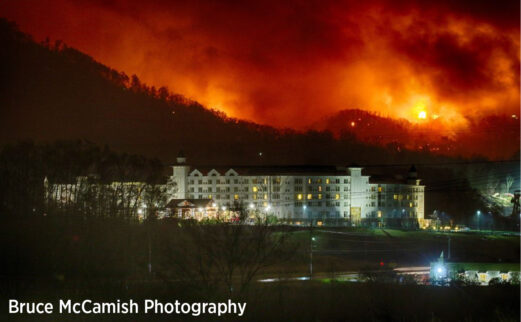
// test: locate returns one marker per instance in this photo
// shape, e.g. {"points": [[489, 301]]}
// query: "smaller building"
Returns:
{"points": [[442, 272], [192, 209]]}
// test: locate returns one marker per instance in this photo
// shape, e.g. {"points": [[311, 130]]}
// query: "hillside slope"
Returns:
{"points": [[50, 92], [494, 136]]}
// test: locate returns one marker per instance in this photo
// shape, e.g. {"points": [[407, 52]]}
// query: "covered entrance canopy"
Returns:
{"points": [[192, 208]]}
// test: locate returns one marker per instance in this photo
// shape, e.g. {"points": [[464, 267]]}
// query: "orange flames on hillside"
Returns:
{"points": [[289, 64]]}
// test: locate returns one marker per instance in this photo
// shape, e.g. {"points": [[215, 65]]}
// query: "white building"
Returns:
{"points": [[304, 193], [321, 194]]}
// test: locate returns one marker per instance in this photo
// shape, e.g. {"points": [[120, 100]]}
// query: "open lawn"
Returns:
{"points": [[351, 249]]}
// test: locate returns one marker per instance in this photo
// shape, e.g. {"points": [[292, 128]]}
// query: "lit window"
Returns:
{"points": [[379, 214], [209, 196], [411, 204], [320, 188], [337, 196], [236, 197], [265, 196], [319, 196], [380, 189], [255, 196], [255, 189], [327, 181], [395, 197], [299, 196], [309, 180], [310, 196]]}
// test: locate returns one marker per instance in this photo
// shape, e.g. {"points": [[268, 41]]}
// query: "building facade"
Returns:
{"points": [[298, 194], [303, 193]]}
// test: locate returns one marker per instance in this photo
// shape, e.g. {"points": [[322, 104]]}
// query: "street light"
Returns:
{"points": [[479, 217]]}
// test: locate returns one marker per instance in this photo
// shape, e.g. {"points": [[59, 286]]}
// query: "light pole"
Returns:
{"points": [[479, 217], [311, 239], [311, 255]]}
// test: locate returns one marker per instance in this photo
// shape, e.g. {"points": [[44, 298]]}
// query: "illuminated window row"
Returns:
{"points": [[318, 196]]}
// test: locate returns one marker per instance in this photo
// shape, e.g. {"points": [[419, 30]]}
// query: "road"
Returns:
{"points": [[347, 276]]}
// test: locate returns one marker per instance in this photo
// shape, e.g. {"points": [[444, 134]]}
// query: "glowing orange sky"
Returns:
{"points": [[291, 63]]}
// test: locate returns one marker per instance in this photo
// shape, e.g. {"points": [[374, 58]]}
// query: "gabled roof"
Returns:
{"points": [[195, 172], [231, 172], [213, 172]]}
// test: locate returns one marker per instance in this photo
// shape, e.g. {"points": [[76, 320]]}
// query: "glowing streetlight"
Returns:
{"points": [[252, 206]]}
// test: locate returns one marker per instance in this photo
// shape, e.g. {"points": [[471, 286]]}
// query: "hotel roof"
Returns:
{"points": [[275, 170]]}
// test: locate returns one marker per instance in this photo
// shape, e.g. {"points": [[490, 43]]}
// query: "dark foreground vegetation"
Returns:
{"points": [[68, 256], [291, 301]]}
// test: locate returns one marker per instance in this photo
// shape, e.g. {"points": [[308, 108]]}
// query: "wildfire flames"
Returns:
{"points": [[288, 64]]}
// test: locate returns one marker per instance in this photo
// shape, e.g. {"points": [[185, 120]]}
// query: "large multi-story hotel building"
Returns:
{"points": [[304, 193], [295, 194]]}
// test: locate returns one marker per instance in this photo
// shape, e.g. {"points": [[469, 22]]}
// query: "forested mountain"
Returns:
{"points": [[50, 91]]}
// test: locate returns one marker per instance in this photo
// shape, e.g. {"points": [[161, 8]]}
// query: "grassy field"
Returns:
{"points": [[346, 249]]}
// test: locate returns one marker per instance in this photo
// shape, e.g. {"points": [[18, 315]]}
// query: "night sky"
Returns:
{"points": [[289, 63]]}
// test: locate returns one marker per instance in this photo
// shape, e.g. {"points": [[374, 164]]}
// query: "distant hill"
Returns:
{"points": [[49, 91], [494, 136]]}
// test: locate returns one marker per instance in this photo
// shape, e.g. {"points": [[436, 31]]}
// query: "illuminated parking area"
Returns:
{"points": [[443, 273]]}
